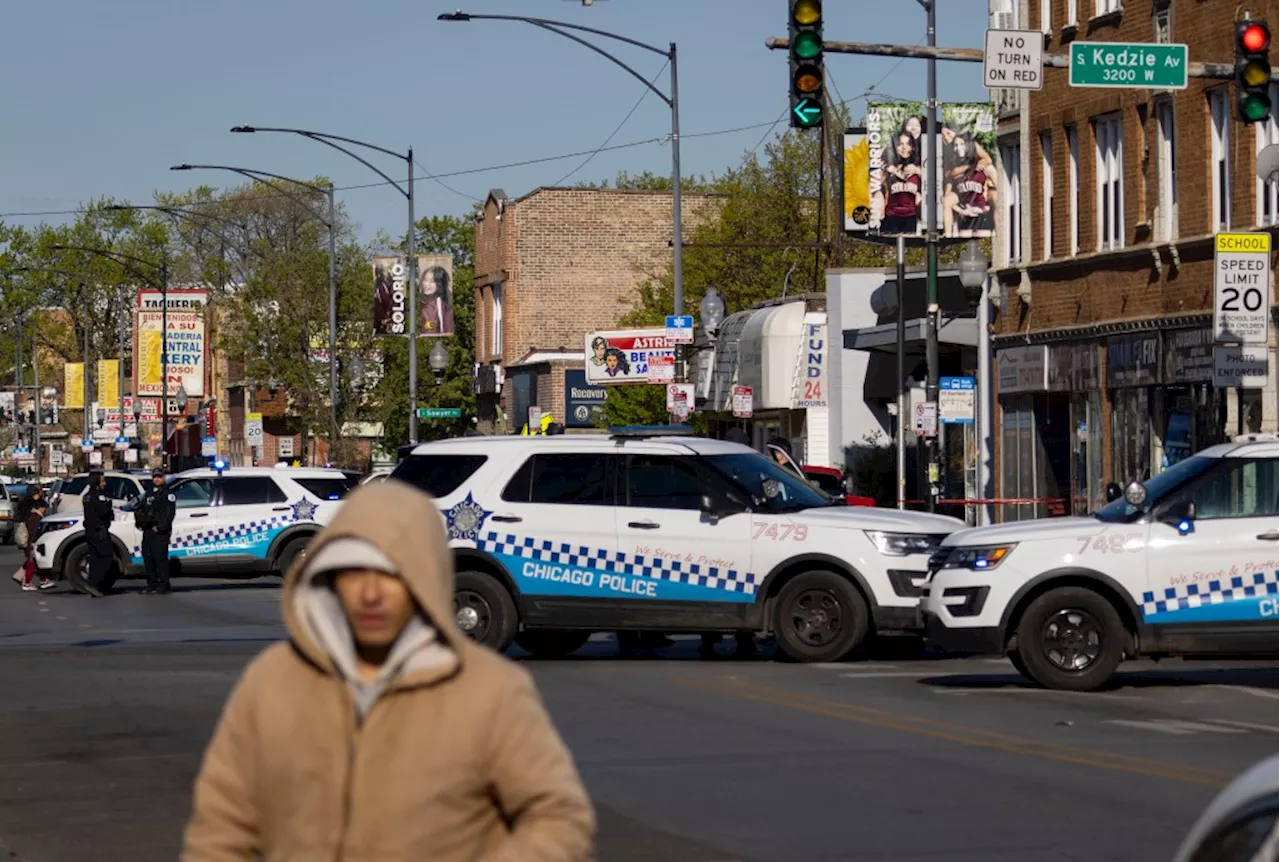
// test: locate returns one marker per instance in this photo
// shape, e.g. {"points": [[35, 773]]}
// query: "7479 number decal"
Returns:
{"points": [[781, 532]]}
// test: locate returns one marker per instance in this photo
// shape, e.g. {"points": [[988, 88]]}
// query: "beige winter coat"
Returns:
{"points": [[455, 761]]}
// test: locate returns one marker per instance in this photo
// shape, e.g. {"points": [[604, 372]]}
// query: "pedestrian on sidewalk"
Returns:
{"points": [[98, 515], [154, 517], [31, 510], [379, 730]]}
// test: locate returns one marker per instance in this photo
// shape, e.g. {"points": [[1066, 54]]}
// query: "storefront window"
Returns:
{"points": [[1035, 458], [1130, 435], [1086, 450]]}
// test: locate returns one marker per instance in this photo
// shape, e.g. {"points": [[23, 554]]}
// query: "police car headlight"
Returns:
{"points": [[977, 559], [53, 526], [902, 544]]}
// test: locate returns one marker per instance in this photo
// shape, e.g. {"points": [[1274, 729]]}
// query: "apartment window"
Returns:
{"points": [[1266, 134], [1046, 192], [1110, 193], [1166, 172], [1105, 7], [1073, 12], [1220, 158], [1073, 187], [1161, 23], [496, 339], [1011, 166], [1046, 15]]}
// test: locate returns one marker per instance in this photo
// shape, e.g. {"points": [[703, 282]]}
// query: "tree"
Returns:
{"points": [[453, 235]]}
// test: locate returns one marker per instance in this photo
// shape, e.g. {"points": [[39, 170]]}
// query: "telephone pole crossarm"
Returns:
{"points": [[1217, 71]]}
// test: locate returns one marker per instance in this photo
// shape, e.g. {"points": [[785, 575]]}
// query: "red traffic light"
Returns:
{"points": [[1255, 38]]}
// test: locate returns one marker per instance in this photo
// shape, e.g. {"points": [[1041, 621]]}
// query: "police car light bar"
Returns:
{"points": [[219, 465], [642, 431]]}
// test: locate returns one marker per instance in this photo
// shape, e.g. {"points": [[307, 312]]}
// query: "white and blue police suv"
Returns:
{"points": [[1183, 565], [556, 537], [227, 522]]}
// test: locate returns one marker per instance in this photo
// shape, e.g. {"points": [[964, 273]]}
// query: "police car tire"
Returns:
{"points": [[502, 608], [73, 567], [290, 553], [1031, 647], [852, 607], [552, 643], [1019, 664]]}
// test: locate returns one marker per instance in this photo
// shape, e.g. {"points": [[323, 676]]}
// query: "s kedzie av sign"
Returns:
{"points": [[1117, 64]]}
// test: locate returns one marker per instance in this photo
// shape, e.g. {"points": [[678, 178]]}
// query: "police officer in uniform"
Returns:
{"points": [[154, 516], [98, 516]]}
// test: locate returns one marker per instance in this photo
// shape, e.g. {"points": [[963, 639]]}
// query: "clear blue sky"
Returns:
{"points": [[103, 97]]}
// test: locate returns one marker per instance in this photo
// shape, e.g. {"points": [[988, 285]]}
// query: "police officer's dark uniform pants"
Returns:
{"points": [[155, 557], [102, 574]]}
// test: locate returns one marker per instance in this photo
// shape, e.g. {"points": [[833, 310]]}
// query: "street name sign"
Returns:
{"points": [[1013, 60], [956, 400], [1241, 283], [445, 413], [1119, 64]]}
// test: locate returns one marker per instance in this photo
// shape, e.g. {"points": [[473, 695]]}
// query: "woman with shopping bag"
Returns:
{"points": [[31, 509]]}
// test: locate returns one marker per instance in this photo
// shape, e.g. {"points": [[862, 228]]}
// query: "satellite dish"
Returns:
{"points": [[1269, 162]]}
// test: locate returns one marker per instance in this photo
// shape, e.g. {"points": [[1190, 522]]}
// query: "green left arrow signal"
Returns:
{"points": [[807, 112]]}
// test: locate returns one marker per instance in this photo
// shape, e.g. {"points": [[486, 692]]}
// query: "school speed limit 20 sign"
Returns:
{"points": [[1241, 287]]}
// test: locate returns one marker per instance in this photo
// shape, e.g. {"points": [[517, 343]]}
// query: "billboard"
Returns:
{"points": [[856, 180], [897, 186], [391, 295], [73, 386], [186, 347], [622, 355]]}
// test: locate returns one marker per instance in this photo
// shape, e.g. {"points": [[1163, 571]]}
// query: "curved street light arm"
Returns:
{"points": [[257, 176], [544, 21], [603, 53], [328, 140]]}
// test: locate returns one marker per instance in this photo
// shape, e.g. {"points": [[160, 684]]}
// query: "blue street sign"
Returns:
{"points": [[680, 328], [956, 396], [122, 439], [959, 384]]}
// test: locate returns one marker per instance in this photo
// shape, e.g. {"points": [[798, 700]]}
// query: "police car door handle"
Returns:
{"points": [[506, 519], [199, 515], [281, 508], [1273, 536], [643, 525]]}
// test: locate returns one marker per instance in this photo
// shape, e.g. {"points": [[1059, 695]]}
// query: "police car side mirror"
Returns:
{"points": [[1112, 492], [1180, 515]]}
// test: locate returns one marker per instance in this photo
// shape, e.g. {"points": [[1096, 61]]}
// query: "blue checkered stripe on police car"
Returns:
{"points": [[580, 556], [1211, 592], [229, 533]]}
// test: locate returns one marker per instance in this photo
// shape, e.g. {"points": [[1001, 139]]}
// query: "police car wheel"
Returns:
{"points": [[1019, 664], [1071, 639], [75, 568], [552, 643], [484, 610], [819, 616], [291, 553]]}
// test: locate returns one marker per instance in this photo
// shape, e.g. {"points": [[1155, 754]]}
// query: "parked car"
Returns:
{"points": [[7, 523], [121, 488], [1240, 824]]}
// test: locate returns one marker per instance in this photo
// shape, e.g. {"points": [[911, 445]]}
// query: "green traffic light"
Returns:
{"points": [[807, 46], [1255, 107]]}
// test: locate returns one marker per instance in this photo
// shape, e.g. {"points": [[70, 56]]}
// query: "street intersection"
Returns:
{"points": [[109, 703]]}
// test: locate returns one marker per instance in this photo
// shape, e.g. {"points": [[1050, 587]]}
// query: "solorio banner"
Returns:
{"points": [[73, 386], [897, 183], [623, 355], [108, 381], [391, 295], [185, 342]]}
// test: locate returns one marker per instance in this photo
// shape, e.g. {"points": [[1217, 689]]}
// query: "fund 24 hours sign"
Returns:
{"points": [[1241, 284]]}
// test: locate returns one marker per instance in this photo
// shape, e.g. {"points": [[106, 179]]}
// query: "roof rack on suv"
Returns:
{"points": [[623, 432]]}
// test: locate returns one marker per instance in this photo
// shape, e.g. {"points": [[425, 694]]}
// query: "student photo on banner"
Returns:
{"points": [[895, 154], [435, 295], [969, 191], [389, 298]]}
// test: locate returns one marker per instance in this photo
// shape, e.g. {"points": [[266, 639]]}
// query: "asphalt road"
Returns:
{"points": [[108, 704]]}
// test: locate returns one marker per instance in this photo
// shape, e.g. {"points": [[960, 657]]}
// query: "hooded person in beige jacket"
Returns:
{"points": [[379, 731]]}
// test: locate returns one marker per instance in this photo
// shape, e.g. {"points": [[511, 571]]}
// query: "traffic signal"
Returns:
{"points": [[1253, 71], [808, 80]]}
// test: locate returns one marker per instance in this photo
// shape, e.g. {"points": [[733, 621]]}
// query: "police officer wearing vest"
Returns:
{"points": [[154, 517]]}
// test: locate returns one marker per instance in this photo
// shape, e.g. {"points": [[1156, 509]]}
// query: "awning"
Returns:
{"points": [[883, 338]]}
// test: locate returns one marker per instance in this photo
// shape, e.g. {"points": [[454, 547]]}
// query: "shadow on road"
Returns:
{"points": [[1248, 677]]}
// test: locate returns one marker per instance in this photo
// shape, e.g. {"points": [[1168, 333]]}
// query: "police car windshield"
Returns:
{"points": [[759, 475], [1158, 487]]}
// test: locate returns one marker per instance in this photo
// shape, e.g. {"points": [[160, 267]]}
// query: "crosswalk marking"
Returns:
{"points": [[1177, 727]]}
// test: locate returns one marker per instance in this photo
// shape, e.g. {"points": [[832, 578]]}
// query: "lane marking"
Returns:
{"points": [[1033, 690], [1173, 726], [1256, 692], [878, 675], [1265, 728], [965, 735]]}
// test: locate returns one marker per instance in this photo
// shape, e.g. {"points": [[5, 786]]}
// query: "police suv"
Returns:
{"points": [[1185, 564], [226, 522], [559, 536]]}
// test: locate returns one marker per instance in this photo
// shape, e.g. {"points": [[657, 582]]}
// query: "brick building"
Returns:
{"points": [[550, 267], [1104, 258]]}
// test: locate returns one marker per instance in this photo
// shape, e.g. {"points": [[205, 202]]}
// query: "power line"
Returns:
{"points": [[643, 95]]}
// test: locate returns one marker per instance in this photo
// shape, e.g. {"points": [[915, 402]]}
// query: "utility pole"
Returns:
{"points": [[412, 241], [931, 241]]}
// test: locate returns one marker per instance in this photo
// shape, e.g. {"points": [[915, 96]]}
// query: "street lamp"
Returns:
{"points": [[439, 359], [677, 240], [712, 308], [973, 277], [181, 399], [355, 370], [331, 141], [332, 224]]}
